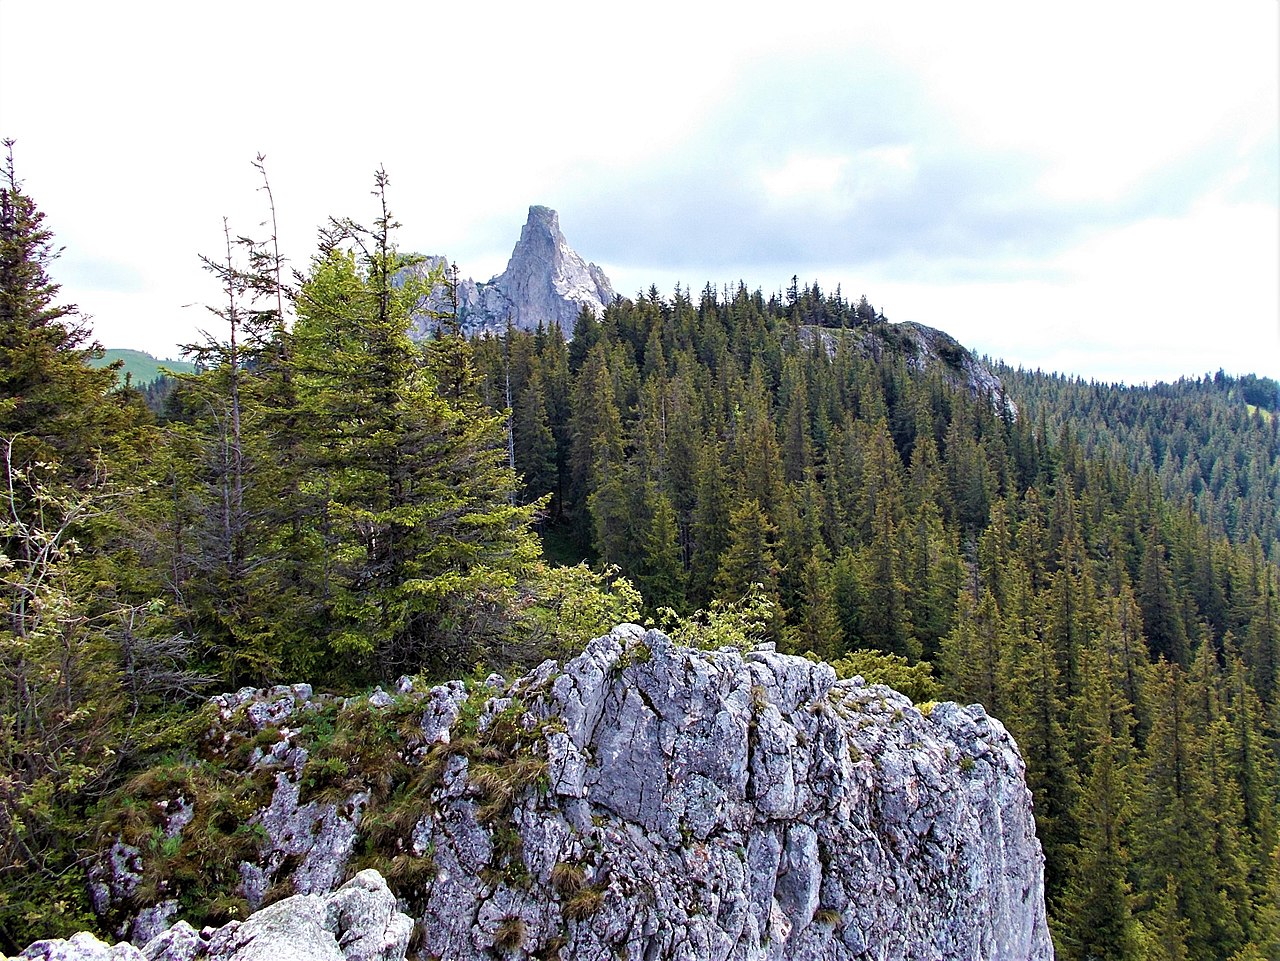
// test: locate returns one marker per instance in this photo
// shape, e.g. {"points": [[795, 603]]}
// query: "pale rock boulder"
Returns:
{"points": [[730, 806], [357, 922]]}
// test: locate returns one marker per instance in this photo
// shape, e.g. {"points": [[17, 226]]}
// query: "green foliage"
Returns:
{"points": [[421, 540], [877, 667], [140, 367], [565, 607], [1206, 440], [54, 405], [333, 499], [1003, 557], [743, 623], [65, 641], [328, 499]]}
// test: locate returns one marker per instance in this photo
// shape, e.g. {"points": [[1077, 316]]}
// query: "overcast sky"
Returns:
{"points": [[1087, 188]]}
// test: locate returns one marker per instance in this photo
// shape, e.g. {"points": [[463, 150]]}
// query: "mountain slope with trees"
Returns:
{"points": [[1131, 647], [1212, 441]]}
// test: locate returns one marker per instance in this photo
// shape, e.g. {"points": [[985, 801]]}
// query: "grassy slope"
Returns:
{"points": [[142, 365]]}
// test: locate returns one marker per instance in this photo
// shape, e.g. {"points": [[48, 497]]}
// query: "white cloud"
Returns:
{"points": [[1155, 300], [804, 177], [1032, 178]]}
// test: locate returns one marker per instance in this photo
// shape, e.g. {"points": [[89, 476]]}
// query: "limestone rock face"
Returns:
{"points": [[642, 801], [707, 805], [546, 282], [357, 922], [923, 348]]}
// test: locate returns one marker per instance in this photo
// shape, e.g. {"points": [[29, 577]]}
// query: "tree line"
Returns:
{"points": [[1212, 440]]}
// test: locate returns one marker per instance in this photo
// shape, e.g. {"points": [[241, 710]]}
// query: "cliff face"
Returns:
{"points": [[546, 282], [643, 800]]}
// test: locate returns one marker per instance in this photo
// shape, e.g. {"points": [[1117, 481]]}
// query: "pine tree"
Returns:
{"points": [[933, 571], [661, 576], [709, 528], [1161, 615], [534, 445], [1036, 715], [1253, 769], [973, 655], [1175, 831], [222, 580], [1262, 645], [816, 628], [885, 619], [64, 438], [1095, 912], [596, 429], [1166, 929], [797, 448], [754, 454], [422, 541], [60, 703], [53, 404], [748, 557]]}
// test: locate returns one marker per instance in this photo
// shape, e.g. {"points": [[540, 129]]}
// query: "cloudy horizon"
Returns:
{"points": [[1093, 190]]}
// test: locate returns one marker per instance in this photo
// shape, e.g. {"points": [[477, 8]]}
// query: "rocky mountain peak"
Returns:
{"points": [[541, 244], [546, 282], [541, 218]]}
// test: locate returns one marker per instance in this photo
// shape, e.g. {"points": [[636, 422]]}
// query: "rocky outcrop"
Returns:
{"points": [[644, 801], [922, 348], [357, 922], [546, 282]]}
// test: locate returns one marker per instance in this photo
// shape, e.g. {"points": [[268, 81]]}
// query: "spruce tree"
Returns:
{"points": [[973, 656], [749, 557], [1166, 929], [1096, 907], [64, 438], [53, 404], [217, 537], [534, 443], [709, 528], [661, 576], [816, 625], [597, 437], [423, 544], [1174, 842]]}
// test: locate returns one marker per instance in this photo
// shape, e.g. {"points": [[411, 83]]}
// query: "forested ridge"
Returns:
{"points": [[1214, 440], [328, 500]]}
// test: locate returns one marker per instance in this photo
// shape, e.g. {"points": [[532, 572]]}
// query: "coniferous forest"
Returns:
{"points": [[328, 500]]}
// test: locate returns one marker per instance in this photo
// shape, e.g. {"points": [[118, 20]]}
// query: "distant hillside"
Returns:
{"points": [[141, 366], [1213, 441]]}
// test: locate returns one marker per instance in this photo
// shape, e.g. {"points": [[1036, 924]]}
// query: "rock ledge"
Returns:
{"points": [[642, 801]]}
